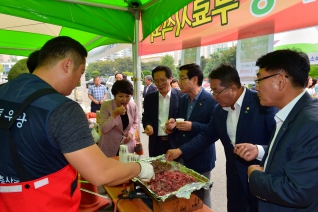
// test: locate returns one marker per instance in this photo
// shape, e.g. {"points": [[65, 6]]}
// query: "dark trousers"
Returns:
{"points": [[241, 203], [161, 146], [95, 107]]}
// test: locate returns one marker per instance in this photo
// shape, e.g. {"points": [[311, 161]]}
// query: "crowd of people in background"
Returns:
{"points": [[268, 132]]}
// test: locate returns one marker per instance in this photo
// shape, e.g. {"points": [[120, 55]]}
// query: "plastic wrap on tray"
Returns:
{"points": [[183, 192]]}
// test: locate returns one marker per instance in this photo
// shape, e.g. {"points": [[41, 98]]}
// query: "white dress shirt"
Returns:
{"points": [[163, 113], [233, 116], [280, 117]]}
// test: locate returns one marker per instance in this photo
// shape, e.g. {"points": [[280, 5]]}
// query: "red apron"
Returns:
{"points": [[55, 192]]}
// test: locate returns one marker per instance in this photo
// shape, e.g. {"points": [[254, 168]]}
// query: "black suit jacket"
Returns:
{"points": [[255, 125], [151, 89], [289, 182], [150, 116], [200, 117]]}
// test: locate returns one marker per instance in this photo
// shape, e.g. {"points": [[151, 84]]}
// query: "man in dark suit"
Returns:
{"points": [[196, 108], [159, 106], [150, 87], [287, 178], [238, 118]]}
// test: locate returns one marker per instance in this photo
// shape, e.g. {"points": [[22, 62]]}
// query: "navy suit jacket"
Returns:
{"points": [[151, 88], [200, 117], [290, 180], [255, 125], [150, 117]]}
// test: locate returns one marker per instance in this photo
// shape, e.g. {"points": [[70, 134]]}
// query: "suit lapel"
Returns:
{"points": [[266, 152], [173, 102], [304, 100], [155, 106], [245, 112], [198, 105], [144, 93], [222, 123]]}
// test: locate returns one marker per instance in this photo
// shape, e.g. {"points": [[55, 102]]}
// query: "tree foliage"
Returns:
{"points": [[19, 68], [225, 56], [313, 71], [95, 73], [168, 60], [149, 66], [123, 64], [146, 72], [212, 63], [203, 62], [229, 56]]}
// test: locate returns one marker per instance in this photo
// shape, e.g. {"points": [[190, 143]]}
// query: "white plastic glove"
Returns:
{"points": [[146, 171]]}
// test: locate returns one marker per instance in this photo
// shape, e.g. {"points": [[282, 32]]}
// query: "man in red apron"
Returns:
{"points": [[45, 139]]}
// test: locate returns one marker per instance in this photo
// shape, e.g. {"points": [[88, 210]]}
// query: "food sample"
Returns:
{"points": [[167, 179]]}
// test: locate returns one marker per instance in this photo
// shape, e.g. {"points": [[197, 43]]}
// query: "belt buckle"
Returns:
{"points": [[164, 138]]}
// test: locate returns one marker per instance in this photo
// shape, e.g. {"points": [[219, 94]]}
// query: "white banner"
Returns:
{"points": [[248, 51], [313, 57]]}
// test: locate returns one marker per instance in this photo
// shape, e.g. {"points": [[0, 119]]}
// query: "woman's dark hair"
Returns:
{"points": [[314, 82], [122, 86]]}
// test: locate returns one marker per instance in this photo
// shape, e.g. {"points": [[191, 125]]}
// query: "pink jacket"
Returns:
{"points": [[112, 128]]}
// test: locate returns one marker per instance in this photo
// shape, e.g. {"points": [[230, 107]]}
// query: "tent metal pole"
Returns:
{"points": [[95, 5], [137, 69]]}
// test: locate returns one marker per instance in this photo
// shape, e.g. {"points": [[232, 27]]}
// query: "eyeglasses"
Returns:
{"points": [[260, 79], [160, 81], [217, 93]]}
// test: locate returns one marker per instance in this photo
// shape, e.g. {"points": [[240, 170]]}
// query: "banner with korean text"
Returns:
{"points": [[206, 22], [247, 52]]}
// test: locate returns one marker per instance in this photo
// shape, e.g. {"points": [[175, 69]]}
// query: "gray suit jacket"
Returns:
{"points": [[152, 88]]}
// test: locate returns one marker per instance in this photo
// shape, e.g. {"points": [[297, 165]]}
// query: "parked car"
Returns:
{"points": [[91, 82], [109, 83], [111, 80]]}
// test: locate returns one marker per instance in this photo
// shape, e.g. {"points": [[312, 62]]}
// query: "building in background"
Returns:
{"points": [[8, 61]]}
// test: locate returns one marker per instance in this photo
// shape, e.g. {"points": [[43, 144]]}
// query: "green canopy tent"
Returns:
{"points": [[27, 24]]}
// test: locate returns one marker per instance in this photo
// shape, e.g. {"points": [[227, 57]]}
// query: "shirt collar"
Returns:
{"points": [[283, 113], [197, 96], [238, 102], [168, 94]]}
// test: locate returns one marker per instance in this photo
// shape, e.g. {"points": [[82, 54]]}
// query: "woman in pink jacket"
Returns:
{"points": [[118, 120]]}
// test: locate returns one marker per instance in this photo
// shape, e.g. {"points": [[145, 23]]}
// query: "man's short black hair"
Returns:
{"points": [[124, 75], [32, 61], [59, 48], [166, 69], [295, 63], [193, 70], [227, 74]]}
